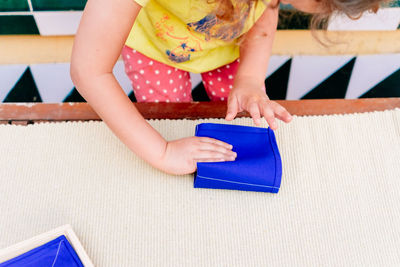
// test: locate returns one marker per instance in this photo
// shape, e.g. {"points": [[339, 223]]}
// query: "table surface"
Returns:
{"points": [[338, 204], [28, 113]]}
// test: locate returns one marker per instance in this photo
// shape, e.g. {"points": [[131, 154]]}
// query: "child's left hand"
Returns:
{"points": [[254, 100]]}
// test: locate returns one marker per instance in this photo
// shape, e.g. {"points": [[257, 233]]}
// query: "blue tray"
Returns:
{"points": [[56, 253], [258, 165]]}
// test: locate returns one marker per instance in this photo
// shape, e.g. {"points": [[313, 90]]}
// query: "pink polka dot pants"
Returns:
{"points": [[153, 81]]}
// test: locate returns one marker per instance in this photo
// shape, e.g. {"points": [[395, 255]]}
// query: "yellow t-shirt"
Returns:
{"points": [[186, 34]]}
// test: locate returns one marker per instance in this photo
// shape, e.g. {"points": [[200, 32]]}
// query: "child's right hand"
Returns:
{"points": [[181, 156]]}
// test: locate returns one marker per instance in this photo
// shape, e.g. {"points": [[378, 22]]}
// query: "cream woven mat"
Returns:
{"points": [[339, 203]]}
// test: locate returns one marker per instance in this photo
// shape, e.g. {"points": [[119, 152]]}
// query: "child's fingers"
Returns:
{"points": [[214, 160], [283, 118], [269, 116], [214, 147], [281, 113], [233, 107], [215, 142], [208, 155], [254, 111]]}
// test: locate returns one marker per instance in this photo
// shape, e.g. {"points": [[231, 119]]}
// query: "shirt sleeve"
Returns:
{"points": [[141, 2]]}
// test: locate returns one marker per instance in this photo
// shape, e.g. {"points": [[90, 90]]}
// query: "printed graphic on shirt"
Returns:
{"points": [[211, 27], [187, 43]]}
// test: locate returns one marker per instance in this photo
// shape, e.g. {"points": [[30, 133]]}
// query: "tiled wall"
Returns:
{"points": [[297, 77], [61, 17], [45, 17], [288, 77]]}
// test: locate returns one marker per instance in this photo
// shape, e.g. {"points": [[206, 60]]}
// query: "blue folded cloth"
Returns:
{"points": [[258, 165], [57, 253]]}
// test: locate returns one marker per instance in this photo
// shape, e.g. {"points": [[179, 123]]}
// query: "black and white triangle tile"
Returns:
{"points": [[298, 77], [48, 83], [375, 76], [308, 72]]}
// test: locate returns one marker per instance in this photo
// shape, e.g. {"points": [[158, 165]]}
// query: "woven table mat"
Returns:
{"points": [[339, 202]]}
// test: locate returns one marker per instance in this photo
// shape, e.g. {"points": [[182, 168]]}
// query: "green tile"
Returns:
{"points": [[14, 5], [393, 4], [74, 96], [291, 19], [18, 25], [25, 90], [58, 5], [286, 7]]}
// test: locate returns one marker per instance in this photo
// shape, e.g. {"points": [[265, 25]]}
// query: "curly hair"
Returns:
{"points": [[352, 8]]}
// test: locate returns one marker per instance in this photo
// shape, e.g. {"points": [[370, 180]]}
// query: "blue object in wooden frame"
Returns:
{"points": [[57, 253], [258, 166]]}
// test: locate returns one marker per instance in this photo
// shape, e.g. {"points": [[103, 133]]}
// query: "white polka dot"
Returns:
{"points": [[137, 86], [177, 99], [175, 90], [213, 93], [230, 86], [176, 69], [144, 97], [218, 70], [130, 67], [227, 66], [128, 56], [147, 82], [180, 87], [230, 77], [184, 94], [167, 100], [151, 91], [210, 73], [139, 61], [136, 77], [238, 60], [158, 82], [156, 101], [169, 71], [141, 71], [186, 74], [222, 90], [180, 76], [156, 71], [134, 51], [186, 83], [151, 62], [165, 91], [219, 79], [210, 82], [222, 98], [171, 81]]}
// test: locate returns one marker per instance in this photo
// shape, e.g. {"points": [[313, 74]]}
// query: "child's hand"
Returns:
{"points": [[257, 103], [181, 156]]}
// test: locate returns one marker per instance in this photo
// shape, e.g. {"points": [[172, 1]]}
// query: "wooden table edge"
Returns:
{"points": [[26, 113]]}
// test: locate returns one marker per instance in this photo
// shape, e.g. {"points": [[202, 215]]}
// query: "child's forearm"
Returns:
{"points": [[255, 50], [248, 92], [102, 32], [95, 51], [107, 98]]}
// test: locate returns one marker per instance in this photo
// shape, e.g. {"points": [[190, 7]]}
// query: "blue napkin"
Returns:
{"points": [[258, 165], [56, 253]]}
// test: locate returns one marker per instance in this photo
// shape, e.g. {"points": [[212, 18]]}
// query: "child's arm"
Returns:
{"points": [[248, 92], [103, 30]]}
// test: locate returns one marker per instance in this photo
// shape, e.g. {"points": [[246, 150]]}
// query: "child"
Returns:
{"points": [[161, 40]]}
